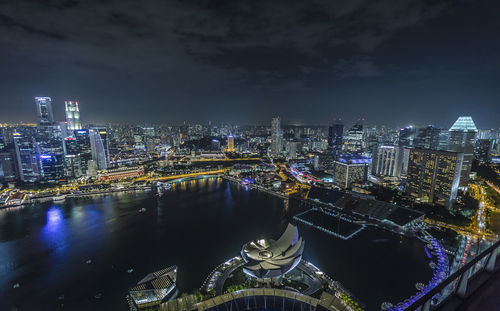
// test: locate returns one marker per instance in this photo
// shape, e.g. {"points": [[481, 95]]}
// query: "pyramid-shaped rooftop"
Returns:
{"points": [[464, 124]]}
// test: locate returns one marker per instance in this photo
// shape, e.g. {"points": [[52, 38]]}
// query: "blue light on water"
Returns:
{"points": [[54, 232]]}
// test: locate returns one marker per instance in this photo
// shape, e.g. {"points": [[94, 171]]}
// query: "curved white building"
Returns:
{"points": [[269, 258]]}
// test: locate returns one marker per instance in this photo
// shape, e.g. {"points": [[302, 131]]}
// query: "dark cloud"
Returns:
{"points": [[242, 60]]}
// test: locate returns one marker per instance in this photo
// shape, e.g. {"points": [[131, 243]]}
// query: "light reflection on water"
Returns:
{"points": [[54, 231]]}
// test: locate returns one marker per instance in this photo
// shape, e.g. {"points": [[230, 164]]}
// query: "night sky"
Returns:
{"points": [[393, 62]]}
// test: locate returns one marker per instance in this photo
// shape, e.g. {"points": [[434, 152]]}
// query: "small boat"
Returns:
{"points": [[88, 262], [130, 270], [16, 285], [142, 210], [59, 198], [98, 296]]}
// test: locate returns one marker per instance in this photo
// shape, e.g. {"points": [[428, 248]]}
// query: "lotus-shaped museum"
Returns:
{"points": [[271, 259]]}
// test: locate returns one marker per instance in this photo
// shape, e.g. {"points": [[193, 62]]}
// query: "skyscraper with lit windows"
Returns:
{"points": [[72, 115], [434, 175], [230, 143], [462, 139], [276, 137], [336, 134], [44, 111]]}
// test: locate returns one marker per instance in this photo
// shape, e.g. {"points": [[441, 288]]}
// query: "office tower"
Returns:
{"points": [[292, 149], [354, 138], [72, 160], [406, 136], [215, 144], [72, 115], [462, 137], [350, 169], [50, 151], [387, 161], [230, 143], [482, 150], [336, 134], [427, 137], [44, 111], [84, 150], [276, 137], [26, 157], [100, 147], [434, 175], [441, 143], [371, 140], [7, 166]]}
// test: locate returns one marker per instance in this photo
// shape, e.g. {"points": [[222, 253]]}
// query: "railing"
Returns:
{"points": [[440, 295]]}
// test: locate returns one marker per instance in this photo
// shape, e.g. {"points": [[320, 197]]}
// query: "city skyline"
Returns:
{"points": [[170, 62]]}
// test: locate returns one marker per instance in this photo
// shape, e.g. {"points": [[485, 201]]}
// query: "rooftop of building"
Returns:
{"points": [[464, 124]]}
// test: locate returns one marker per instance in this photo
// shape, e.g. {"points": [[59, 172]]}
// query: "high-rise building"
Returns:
{"points": [[427, 138], [406, 136], [336, 134], [354, 138], [276, 137], [7, 166], [72, 161], [292, 149], [462, 138], [350, 169], [72, 115], [84, 150], [26, 157], [387, 161], [434, 175], [482, 150], [230, 143], [100, 147], [44, 111], [215, 144], [50, 153]]}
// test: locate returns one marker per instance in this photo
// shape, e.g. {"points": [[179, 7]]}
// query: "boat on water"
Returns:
{"points": [[59, 198], [155, 288]]}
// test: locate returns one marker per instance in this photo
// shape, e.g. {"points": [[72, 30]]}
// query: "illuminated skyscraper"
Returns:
{"points": [[84, 150], [100, 147], [44, 110], [72, 115], [434, 175], [26, 157], [336, 134], [354, 137], [276, 137], [50, 153], [230, 143], [462, 139]]}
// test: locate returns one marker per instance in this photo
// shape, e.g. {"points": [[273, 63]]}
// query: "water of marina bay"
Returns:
{"points": [[197, 225]]}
